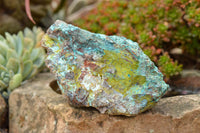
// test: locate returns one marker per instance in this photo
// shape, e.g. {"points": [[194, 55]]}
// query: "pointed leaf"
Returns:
{"points": [[10, 40], [28, 33], [28, 66], [20, 43], [15, 82]]}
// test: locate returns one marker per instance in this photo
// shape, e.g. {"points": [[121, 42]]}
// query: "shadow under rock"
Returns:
{"points": [[54, 86]]}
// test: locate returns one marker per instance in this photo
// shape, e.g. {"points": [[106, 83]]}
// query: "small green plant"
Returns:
{"points": [[167, 66], [157, 25], [21, 57]]}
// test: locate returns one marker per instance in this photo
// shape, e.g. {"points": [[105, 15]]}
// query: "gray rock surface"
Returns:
{"points": [[36, 108]]}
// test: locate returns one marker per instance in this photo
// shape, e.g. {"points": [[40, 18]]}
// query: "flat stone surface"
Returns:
{"points": [[36, 108], [2, 112]]}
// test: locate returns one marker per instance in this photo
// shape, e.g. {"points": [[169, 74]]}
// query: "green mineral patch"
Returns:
{"points": [[48, 41], [77, 72], [145, 100], [120, 70]]}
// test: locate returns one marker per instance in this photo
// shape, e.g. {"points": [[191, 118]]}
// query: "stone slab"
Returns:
{"points": [[36, 108]]}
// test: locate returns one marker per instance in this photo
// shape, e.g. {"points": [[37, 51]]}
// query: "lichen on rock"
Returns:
{"points": [[110, 73]]}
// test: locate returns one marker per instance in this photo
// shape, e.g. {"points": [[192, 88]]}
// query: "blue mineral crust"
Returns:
{"points": [[110, 73]]}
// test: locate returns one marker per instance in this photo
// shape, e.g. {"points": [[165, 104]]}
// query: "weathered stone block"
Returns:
{"points": [[36, 108]]}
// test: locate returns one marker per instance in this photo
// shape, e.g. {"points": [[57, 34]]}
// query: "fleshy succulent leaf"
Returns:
{"points": [[13, 65], [34, 54], [27, 68], [26, 55], [29, 43], [3, 48], [11, 54], [16, 63], [10, 40], [33, 72], [2, 68], [2, 84], [2, 60], [15, 82], [39, 61], [28, 33], [20, 43]]}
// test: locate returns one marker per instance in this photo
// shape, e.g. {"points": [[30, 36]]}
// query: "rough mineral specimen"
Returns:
{"points": [[110, 73]]}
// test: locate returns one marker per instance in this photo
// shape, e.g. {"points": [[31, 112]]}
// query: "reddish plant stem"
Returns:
{"points": [[28, 10]]}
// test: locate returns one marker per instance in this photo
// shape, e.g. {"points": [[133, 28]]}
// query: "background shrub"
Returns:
{"points": [[157, 25]]}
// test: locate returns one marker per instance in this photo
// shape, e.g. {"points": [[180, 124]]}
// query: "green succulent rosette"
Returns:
{"points": [[21, 57]]}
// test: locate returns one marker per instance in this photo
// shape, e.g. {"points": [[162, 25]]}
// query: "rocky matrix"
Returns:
{"points": [[110, 73]]}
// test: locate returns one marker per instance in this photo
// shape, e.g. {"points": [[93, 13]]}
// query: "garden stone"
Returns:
{"points": [[110, 73], [35, 107]]}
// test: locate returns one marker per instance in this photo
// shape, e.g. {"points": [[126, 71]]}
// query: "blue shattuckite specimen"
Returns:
{"points": [[110, 73]]}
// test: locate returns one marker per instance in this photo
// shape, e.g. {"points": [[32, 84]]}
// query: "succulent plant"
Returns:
{"points": [[163, 24], [21, 57]]}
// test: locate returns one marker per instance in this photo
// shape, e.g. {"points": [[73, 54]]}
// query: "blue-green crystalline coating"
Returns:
{"points": [[110, 73]]}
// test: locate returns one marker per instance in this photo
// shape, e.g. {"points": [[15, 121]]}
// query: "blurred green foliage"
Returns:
{"points": [[21, 58], [157, 25]]}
